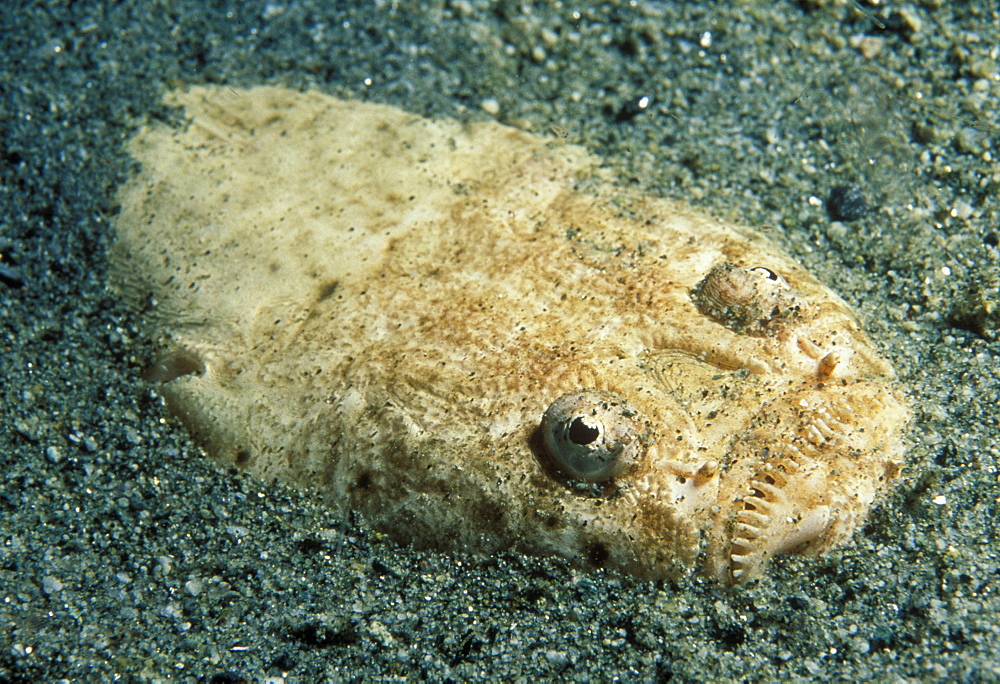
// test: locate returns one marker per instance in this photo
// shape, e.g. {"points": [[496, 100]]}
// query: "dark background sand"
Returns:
{"points": [[123, 553]]}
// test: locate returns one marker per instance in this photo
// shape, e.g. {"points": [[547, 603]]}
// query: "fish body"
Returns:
{"points": [[467, 334]]}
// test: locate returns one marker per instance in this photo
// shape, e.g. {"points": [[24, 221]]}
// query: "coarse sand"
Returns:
{"points": [[125, 555]]}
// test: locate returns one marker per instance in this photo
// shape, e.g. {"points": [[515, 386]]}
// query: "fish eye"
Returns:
{"points": [[767, 274], [592, 436], [746, 299]]}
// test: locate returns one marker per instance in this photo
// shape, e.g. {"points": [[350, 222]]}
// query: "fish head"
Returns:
{"points": [[750, 420]]}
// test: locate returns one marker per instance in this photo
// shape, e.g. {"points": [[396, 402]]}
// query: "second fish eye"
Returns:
{"points": [[592, 436]]}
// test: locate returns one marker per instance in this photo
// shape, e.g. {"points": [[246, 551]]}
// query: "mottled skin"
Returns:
{"points": [[380, 308]]}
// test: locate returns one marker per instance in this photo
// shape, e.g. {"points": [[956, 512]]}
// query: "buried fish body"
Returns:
{"points": [[467, 335]]}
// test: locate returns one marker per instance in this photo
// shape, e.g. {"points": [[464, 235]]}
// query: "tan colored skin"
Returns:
{"points": [[381, 307]]}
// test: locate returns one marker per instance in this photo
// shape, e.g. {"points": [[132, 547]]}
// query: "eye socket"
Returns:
{"points": [[592, 436], [746, 299]]}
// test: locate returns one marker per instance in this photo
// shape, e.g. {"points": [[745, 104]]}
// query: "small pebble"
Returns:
{"points": [[53, 454], [962, 210], [557, 658], [490, 106], [51, 585], [909, 21], [11, 276], [847, 203], [870, 47], [633, 108]]}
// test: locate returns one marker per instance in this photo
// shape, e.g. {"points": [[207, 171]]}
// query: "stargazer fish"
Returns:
{"points": [[470, 336]]}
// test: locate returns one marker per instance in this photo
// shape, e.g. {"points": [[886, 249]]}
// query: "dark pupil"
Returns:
{"points": [[581, 433]]}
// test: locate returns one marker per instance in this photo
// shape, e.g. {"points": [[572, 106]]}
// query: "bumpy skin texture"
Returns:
{"points": [[381, 308]]}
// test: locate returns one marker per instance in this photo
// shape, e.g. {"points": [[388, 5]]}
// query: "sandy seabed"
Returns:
{"points": [[125, 554]]}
